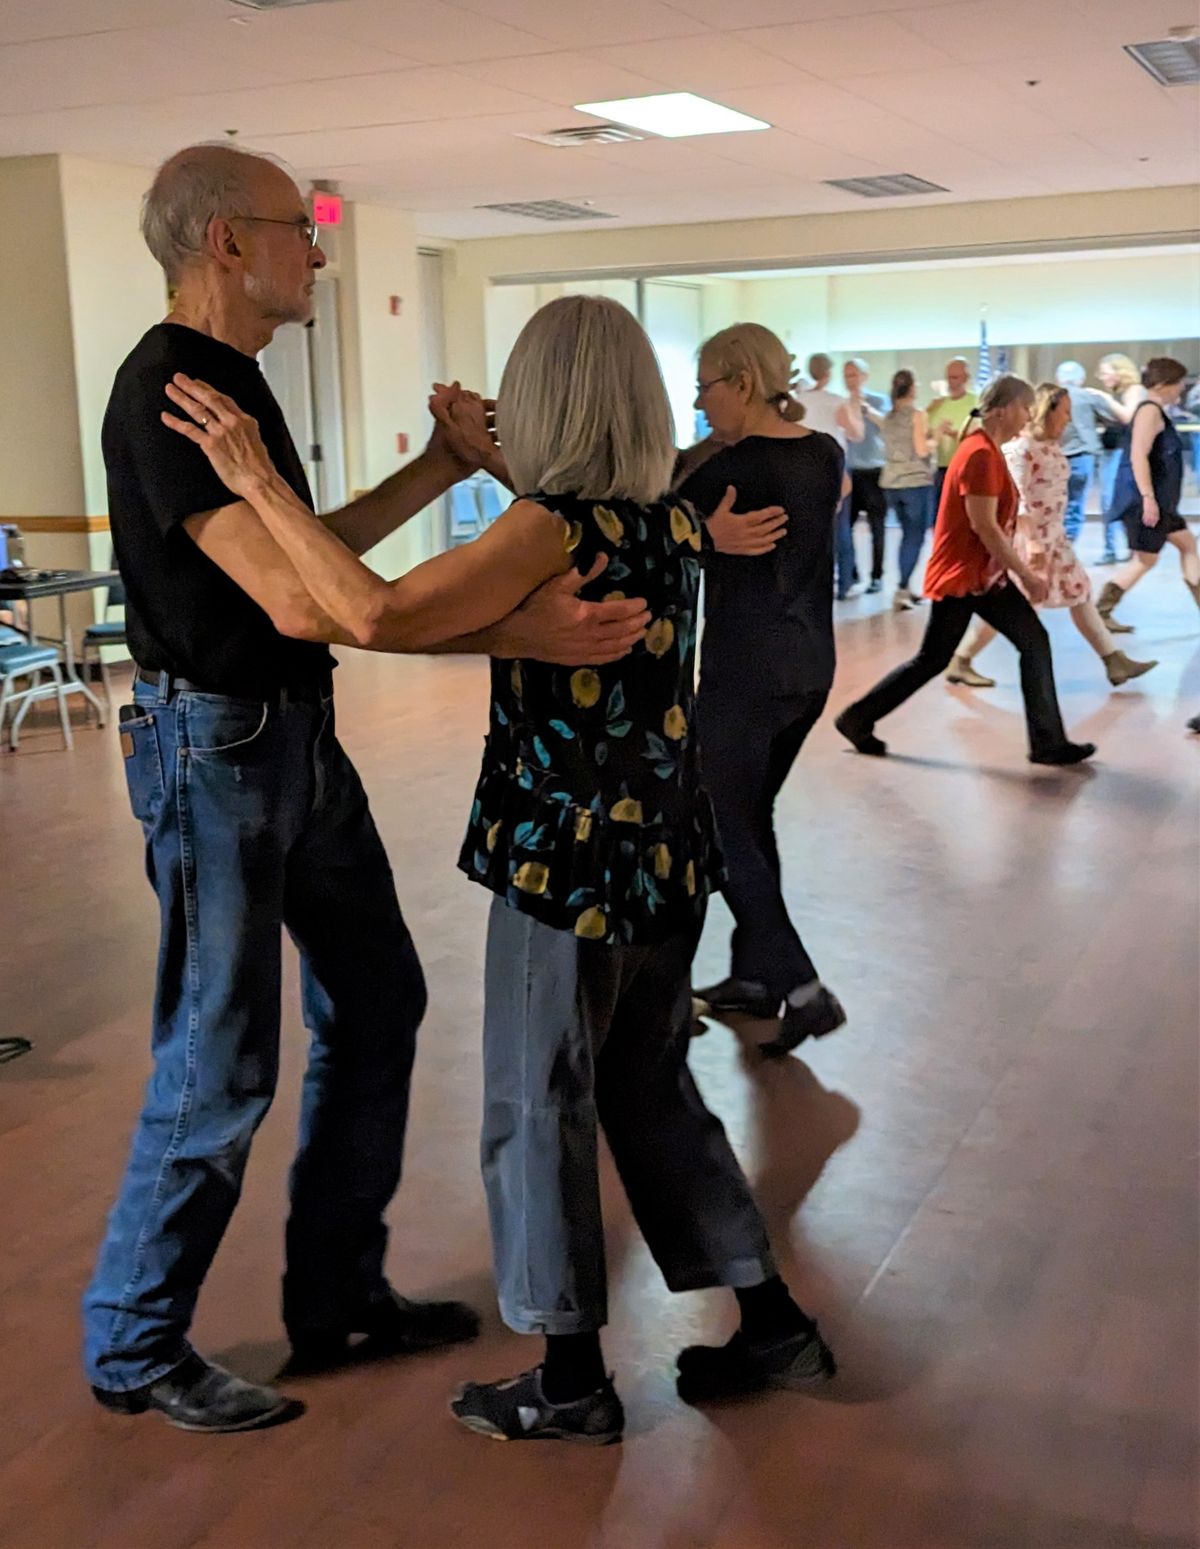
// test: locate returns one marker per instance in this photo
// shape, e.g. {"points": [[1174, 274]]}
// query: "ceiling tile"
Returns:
{"points": [[390, 97], [766, 13], [929, 98], [25, 21], [431, 32], [805, 104], [576, 26], [981, 30], [710, 65], [795, 156], [564, 78], [835, 50]]}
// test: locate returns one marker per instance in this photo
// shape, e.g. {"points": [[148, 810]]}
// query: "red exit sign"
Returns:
{"points": [[327, 209]]}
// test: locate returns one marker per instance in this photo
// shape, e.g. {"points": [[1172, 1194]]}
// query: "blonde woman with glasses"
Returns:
{"points": [[591, 830], [1042, 474], [767, 664]]}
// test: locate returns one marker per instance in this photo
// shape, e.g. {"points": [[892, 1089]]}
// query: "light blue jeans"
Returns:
{"points": [[580, 1036], [255, 820]]}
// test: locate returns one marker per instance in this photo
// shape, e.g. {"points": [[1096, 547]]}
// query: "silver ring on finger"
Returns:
{"points": [[204, 423]]}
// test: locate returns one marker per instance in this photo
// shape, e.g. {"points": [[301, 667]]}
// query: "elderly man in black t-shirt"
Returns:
{"points": [[255, 820]]}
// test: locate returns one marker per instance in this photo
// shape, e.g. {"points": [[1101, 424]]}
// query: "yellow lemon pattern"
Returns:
{"points": [[660, 637], [589, 815], [585, 687], [592, 925], [610, 524], [675, 723], [532, 877], [684, 529]]}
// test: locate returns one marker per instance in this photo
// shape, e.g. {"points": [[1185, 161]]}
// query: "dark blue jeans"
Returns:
{"points": [[255, 820], [843, 548], [939, 479], [1082, 466], [911, 507]]}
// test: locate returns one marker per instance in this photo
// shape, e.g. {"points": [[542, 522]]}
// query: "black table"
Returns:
{"points": [[59, 583]]}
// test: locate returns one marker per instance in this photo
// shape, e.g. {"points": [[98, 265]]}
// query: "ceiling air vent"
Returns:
{"points": [[584, 134], [1171, 61], [549, 210], [885, 187], [277, 5]]}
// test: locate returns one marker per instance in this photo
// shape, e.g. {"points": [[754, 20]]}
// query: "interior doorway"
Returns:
{"points": [[303, 368]]}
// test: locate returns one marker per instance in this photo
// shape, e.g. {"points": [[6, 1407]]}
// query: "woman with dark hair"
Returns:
{"points": [[1149, 483], [907, 477], [968, 574]]}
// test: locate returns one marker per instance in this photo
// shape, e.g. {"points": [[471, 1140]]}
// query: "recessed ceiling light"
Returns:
{"points": [[673, 114]]}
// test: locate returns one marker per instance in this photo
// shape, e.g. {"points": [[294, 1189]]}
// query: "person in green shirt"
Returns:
{"points": [[947, 416]]}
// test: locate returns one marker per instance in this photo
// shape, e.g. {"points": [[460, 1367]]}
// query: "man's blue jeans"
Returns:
{"points": [[1082, 466], [255, 820]]}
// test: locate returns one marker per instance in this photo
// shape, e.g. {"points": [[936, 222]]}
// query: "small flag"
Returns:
{"points": [[984, 375]]}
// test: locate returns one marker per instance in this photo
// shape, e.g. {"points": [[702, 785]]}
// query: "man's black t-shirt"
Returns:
{"points": [[768, 620], [183, 613]]}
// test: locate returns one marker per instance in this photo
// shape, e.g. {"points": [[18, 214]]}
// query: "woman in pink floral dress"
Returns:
{"points": [[1040, 471]]}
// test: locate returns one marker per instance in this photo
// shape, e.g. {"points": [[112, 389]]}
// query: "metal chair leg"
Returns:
{"points": [[14, 732], [104, 714], [64, 714], [5, 690]]}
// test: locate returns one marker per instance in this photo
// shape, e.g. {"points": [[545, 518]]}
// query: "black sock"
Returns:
{"points": [[573, 1368], [769, 1313]]}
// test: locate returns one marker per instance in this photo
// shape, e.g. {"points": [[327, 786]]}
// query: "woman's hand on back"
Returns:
{"points": [[751, 534]]}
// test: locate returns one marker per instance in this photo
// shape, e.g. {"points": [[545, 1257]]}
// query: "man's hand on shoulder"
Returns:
{"points": [[555, 625]]}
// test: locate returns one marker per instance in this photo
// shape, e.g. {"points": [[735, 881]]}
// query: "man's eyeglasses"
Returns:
{"points": [[703, 387], [304, 225]]}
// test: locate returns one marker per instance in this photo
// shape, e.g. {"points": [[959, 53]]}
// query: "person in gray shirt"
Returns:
{"points": [[1090, 408], [864, 462]]}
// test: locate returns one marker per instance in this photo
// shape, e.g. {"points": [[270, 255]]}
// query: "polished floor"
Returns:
{"points": [[985, 1186]]}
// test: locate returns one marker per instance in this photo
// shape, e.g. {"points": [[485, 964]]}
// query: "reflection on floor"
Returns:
{"points": [[984, 1186]]}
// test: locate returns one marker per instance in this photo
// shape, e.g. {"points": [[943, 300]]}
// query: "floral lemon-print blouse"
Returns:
{"points": [[589, 814]]}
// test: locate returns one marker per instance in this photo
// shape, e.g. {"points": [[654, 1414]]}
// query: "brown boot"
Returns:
{"points": [[1106, 602], [1120, 669]]}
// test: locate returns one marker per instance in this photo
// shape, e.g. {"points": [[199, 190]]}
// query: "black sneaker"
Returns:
{"points": [[198, 1395], [861, 735], [516, 1409], [1194, 724], [875, 586], [391, 1325], [1068, 753], [822, 1014], [708, 1372], [739, 997]]}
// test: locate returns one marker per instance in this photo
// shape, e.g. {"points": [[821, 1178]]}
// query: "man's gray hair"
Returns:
{"points": [[189, 191], [1070, 374], [863, 366]]}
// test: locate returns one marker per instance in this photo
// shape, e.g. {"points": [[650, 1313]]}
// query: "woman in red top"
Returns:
{"points": [[968, 573]]}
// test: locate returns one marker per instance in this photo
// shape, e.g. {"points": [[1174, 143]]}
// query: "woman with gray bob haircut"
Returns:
{"points": [[592, 831]]}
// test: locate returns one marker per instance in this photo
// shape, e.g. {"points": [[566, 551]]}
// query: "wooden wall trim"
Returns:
{"points": [[58, 523]]}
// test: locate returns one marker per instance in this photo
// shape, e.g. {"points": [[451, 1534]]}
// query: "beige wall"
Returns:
{"points": [[116, 291], [381, 356], [41, 467]]}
